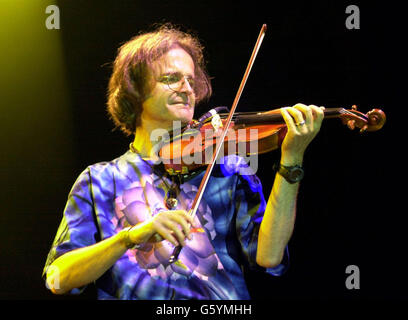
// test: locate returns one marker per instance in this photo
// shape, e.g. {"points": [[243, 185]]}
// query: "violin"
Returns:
{"points": [[249, 133]]}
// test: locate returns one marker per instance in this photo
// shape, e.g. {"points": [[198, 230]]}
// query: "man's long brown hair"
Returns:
{"points": [[131, 79]]}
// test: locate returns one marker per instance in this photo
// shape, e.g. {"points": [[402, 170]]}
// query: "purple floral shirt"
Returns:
{"points": [[110, 196]]}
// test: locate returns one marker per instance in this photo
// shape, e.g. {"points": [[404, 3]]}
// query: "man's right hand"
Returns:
{"points": [[173, 225]]}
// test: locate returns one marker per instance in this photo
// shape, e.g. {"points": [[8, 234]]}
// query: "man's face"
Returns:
{"points": [[172, 96]]}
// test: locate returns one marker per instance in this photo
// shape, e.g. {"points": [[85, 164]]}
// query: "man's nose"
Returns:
{"points": [[186, 86]]}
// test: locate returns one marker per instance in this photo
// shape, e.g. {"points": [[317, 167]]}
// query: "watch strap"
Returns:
{"points": [[287, 172]]}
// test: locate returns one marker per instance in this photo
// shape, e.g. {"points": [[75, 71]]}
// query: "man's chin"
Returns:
{"points": [[183, 116], [180, 122]]}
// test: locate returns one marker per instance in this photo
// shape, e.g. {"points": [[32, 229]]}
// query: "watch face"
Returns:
{"points": [[296, 174]]}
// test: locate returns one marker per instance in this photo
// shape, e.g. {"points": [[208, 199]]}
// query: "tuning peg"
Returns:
{"points": [[351, 124], [364, 128], [353, 107]]}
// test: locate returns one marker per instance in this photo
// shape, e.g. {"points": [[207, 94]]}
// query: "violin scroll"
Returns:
{"points": [[372, 121], [376, 119]]}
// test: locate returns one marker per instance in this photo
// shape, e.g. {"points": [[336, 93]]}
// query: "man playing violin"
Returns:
{"points": [[117, 229]]}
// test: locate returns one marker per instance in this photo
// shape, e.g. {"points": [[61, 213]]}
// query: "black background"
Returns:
{"points": [[349, 209]]}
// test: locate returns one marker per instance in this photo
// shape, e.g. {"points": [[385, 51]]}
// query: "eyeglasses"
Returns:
{"points": [[175, 81]]}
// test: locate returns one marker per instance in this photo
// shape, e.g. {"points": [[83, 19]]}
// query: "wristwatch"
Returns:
{"points": [[292, 174]]}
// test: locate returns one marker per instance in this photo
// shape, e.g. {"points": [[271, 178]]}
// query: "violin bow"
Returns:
{"points": [[204, 181]]}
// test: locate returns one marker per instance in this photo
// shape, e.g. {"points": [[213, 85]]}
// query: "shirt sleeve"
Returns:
{"points": [[78, 227]]}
